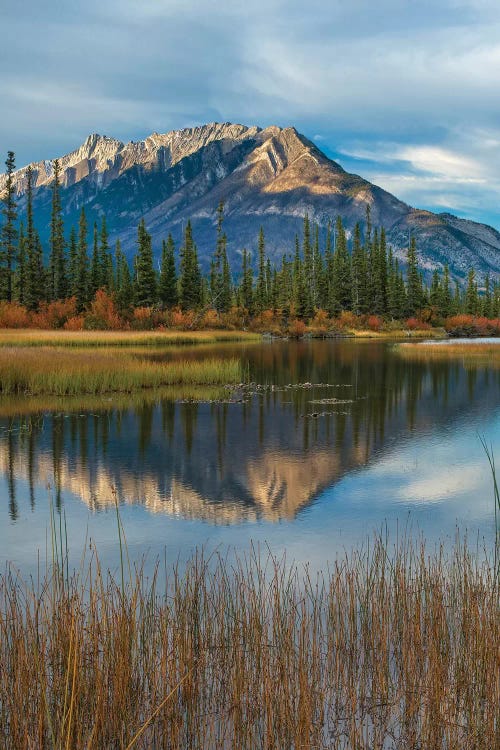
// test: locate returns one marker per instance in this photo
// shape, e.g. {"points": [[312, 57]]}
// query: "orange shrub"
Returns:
{"points": [[415, 324], [103, 314], [142, 318], [348, 319], [469, 325], [54, 314], [211, 319], [76, 323], [374, 323], [235, 318], [13, 315], [185, 320], [296, 328], [321, 322]]}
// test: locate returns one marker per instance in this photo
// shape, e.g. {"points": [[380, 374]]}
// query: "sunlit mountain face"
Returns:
{"points": [[267, 177]]}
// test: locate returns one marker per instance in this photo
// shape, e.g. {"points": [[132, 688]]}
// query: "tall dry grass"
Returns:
{"points": [[67, 372], [389, 649], [28, 338], [480, 353]]}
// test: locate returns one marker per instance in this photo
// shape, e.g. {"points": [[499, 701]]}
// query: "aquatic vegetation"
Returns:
{"points": [[67, 372], [393, 648], [120, 338], [469, 352]]}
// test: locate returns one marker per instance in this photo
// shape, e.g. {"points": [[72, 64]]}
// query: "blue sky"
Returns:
{"points": [[403, 93]]}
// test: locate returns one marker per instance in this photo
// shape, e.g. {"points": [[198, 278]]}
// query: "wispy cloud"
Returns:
{"points": [[408, 88]]}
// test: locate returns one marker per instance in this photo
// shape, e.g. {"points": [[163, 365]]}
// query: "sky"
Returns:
{"points": [[402, 92]]}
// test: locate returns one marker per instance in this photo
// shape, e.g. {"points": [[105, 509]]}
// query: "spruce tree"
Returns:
{"points": [[95, 276], [190, 282], [106, 279], [145, 277], [413, 280], [73, 263], [246, 285], [167, 285], [261, 295], [58, 282], [359, 274], [9, 232], [124, 288], [21, 270], [81, 288], [341, 290], [35, 282], [471, 294]]}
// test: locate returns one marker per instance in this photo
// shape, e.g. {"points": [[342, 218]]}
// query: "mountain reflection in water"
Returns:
{"points": [[267, 458]]}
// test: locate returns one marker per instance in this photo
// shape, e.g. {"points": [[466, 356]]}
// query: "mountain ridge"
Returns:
{"points": [[270, 177]]}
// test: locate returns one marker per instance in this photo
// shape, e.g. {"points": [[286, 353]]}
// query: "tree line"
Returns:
{"points": [[331, 270]]}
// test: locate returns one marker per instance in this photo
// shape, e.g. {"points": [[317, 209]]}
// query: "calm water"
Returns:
{"points": [[309, 471]]}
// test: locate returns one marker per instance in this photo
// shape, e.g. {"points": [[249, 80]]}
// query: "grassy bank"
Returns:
{"points": [[69, 372], [400, 333], [470, 352], [393, 649], [28, 338]]}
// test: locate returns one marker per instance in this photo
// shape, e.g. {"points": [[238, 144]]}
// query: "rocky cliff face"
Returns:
{"points": [[269, 177]]}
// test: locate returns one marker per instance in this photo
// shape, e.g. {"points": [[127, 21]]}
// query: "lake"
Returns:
{"points": [[336, 440]]}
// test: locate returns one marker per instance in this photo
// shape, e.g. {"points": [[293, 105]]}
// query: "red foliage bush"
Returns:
{"points": [[348, 319], [103, 314], [296, 328], [469, 325], [76, 323], [13, 315], [374, 323], [415, 324], [54, 314]]}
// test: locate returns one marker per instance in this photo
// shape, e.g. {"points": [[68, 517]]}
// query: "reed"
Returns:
{"points": [[392, 648], [473, 353], [66, 372], [28, 338]]}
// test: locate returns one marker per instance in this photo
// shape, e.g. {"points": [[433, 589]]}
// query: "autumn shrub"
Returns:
{"points": [[211, 319], [142, 319], [103, 314], [268, 321], [76, 323], [296, 328], [470, 325], [234, 319], [53, 314], [348, 319], [416, 324], [320, 323], [13, 315], [374, 322]]}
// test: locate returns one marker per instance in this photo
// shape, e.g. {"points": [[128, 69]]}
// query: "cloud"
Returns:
{"points": [[419, 77]]}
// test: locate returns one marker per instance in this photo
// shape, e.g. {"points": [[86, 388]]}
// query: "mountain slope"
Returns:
{"points": [[270, 177]]}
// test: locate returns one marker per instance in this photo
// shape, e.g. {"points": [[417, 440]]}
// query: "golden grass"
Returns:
{"points": [[390, 649], [432, 333], [25, 337], [71, 372], [480, 353]]}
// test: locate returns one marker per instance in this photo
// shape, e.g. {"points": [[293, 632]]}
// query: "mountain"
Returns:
{"points": [[270, 177]]}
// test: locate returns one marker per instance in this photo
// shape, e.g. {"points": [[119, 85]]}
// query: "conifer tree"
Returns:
{"points": [[246, 286], [487, 298], [446, 298], [190, 283], [95, 276], [81, 288], [261, 297], [414, 283], [124, 288], [145, 277], [309, 280], [21, 268], [58, 282], [9, 232], [359, 274], [167, 286], [73, 263], [106, 279], [341, 291], [35, 286], [471, 294]]}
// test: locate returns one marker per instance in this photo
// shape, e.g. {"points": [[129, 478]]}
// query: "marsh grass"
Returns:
{"points": [[473, 353], [76, 339], [66, 372], [391, 648]]}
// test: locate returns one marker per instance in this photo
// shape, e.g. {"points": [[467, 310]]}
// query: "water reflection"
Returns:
{"points": [[267, 458]]}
